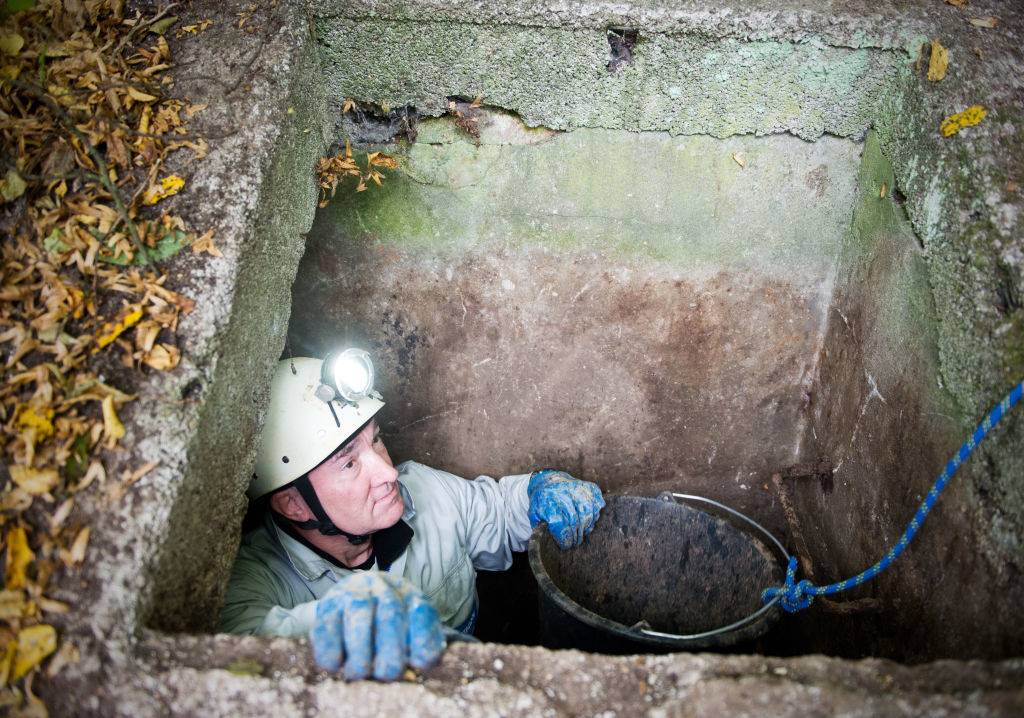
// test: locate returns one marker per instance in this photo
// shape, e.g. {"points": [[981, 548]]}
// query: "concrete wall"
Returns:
{"points": [[638, 309], [879, 415], [264, 113]]}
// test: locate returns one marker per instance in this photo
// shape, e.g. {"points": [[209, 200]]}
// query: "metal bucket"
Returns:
{"points": [[658, 575]]}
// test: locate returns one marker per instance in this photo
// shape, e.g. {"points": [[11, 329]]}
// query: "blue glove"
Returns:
{"points": [[570, 507], [373, 619]]}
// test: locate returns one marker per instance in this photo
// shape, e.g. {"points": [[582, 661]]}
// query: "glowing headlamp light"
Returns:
{"points": [[346, 375]]}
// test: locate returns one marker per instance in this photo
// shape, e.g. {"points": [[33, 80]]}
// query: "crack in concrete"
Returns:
{"points": [[856, 429]]}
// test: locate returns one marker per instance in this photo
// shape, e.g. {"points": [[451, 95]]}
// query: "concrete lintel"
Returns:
{"points": [[837, 23]]}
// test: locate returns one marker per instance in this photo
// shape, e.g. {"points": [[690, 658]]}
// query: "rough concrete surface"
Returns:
{"points": [[157, 558], [634, 314]]}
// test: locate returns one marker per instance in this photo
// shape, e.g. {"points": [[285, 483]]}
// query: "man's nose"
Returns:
{"points": [[381, 471]]}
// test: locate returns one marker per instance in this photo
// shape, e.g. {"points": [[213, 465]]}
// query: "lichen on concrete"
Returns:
{"points": [[557, 77], [694, 203], [964, 200]]}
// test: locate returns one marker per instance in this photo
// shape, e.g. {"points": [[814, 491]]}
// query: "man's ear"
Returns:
{"points": [[289, 504]]}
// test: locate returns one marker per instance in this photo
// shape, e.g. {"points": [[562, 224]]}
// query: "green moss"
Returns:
{"points": [[684, 203]]}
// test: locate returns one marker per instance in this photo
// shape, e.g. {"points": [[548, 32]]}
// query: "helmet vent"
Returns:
{"points": [[284, 459]]}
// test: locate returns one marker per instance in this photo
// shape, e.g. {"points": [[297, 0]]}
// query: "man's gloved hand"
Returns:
{"points": [[376, 623], [570, 507]]}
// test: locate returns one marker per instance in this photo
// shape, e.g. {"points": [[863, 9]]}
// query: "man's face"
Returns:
{"points": [[358, 484]]}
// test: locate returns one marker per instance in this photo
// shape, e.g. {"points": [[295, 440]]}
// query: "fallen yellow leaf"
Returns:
{"points": [[15, 500], [379, 159], [61, 515], [41, 423], [11, 43], [194, 29], [51, 606], [34, 644], [968, 118], [77, 552], [113, 429], [112, 331], [35, 481], [169, 186], [162, 357], [145, 335], [130, 478], [140, 96], [938, 62], [205, 244], [19, 556], [12, 604], [738, 159], [95, 471], [12, 186], [988, 21], [957, 3], [883, 191], [7, 661]]}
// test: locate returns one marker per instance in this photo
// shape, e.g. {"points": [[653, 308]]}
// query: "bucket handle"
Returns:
{"points": [[672, 496]]}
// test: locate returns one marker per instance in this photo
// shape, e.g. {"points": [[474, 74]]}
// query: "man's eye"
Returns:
{"points": [[376, 439], [350, 464]]}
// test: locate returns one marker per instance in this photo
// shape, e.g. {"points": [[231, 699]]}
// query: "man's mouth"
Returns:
{"points": [[390, 496]]}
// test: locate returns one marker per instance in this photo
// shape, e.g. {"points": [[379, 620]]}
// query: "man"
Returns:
{"points": [[375, 563]]}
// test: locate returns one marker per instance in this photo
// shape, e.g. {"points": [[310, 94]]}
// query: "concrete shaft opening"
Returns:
{"points": [[727, 254], [645, 311]]}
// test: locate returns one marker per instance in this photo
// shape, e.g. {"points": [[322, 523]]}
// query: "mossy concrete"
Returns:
{"points": [[558, 78], [644, 310], [879, 414], [964, 202], [250, 77], [697, 204], [187, 593], [848, 67]]}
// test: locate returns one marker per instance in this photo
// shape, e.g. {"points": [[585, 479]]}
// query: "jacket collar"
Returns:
{"points": [[307, 562]]}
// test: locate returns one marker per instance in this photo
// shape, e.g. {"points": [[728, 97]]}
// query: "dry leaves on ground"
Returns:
{"points": [[938, 62], [988, 22], [87, 130], [330, 171]]}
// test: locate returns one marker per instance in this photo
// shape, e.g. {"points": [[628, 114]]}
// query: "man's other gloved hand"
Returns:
{"points": [[377, 624], [568, 506]]}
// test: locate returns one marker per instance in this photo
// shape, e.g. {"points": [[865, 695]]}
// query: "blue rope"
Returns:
{"points": [[798, 596]]}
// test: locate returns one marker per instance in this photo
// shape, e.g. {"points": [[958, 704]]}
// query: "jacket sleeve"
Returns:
{"points": [[252, 604], [493, 517]]}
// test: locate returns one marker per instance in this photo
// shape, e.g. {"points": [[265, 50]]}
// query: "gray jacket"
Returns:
{"points": [[459, 526]]}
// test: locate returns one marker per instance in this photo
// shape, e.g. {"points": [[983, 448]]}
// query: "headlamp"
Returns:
{"points": [[346, 375]]}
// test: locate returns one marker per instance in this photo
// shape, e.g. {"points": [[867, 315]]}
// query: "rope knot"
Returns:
{"points": [[795, 596]]}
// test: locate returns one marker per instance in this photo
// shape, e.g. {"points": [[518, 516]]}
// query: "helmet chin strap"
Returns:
{"points": [[322, 523]]}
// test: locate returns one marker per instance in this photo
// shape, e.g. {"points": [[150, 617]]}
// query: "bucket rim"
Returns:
{"points": [[692, 640]]}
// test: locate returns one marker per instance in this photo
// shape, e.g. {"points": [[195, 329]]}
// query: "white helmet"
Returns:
{"points": [[301, 428]]}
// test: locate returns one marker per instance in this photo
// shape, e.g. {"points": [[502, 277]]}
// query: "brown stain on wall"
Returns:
{"points": [[629, 375]]}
